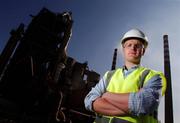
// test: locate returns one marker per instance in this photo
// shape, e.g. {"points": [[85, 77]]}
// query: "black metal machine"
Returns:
{"points": [[39, 82]]}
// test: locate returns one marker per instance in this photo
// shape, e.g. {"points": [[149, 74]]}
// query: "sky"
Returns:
{"points": [[100, 24]]}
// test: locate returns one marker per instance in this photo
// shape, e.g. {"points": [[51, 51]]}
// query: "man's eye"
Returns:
{"points": [[129, 45]]}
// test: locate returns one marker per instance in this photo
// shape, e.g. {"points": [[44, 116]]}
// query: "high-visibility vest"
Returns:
{"points": [[118, 84]]}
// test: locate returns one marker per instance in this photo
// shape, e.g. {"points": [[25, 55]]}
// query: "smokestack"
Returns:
{"points": [[168, 94], [114, 60]]}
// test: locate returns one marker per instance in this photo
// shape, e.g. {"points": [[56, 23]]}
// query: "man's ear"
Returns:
{"points": [[143, 51]]}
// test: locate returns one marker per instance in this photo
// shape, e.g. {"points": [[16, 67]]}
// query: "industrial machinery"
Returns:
{"points": [[39, 82]]}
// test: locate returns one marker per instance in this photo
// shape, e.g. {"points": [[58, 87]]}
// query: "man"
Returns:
{"points": [[130, 94]]}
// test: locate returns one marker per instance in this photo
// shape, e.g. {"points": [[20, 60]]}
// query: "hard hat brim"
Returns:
{"points": [[145, 43]]}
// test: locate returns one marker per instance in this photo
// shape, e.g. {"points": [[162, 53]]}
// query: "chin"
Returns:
{"points": [[134, 60]]}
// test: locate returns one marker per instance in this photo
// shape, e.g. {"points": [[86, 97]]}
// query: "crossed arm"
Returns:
{"points": [[112, 104], [118, 104]]}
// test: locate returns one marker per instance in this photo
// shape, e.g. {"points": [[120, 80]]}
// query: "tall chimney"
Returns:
{"points": [[168, 94], [114, 60]]}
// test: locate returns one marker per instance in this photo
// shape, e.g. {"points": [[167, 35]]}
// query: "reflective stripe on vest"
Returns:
{"points": [[105, 119], [119, 84]]}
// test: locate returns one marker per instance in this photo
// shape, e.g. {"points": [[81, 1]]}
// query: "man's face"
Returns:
{"points": [[133, 50]]}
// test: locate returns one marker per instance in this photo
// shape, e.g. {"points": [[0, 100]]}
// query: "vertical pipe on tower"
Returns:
{"points": [[114, 60], [167, 72], [16, 35]]}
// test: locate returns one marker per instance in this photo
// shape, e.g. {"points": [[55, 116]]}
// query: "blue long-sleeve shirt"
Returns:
{"points": [[140, 103]]}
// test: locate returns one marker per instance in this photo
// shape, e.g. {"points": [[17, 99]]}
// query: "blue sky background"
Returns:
{"points": [[98, 27]]}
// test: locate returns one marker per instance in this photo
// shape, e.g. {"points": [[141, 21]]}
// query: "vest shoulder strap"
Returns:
{"points": [[142, 78], [109, 76]]}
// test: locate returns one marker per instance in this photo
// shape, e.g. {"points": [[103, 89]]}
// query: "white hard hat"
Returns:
{"points": [[137, 34]]}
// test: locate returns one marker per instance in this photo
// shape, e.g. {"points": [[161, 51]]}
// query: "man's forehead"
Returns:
{"points": [[133, 41]]}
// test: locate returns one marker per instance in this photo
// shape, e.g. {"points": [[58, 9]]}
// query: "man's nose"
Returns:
{"points": [[133, 47]]}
